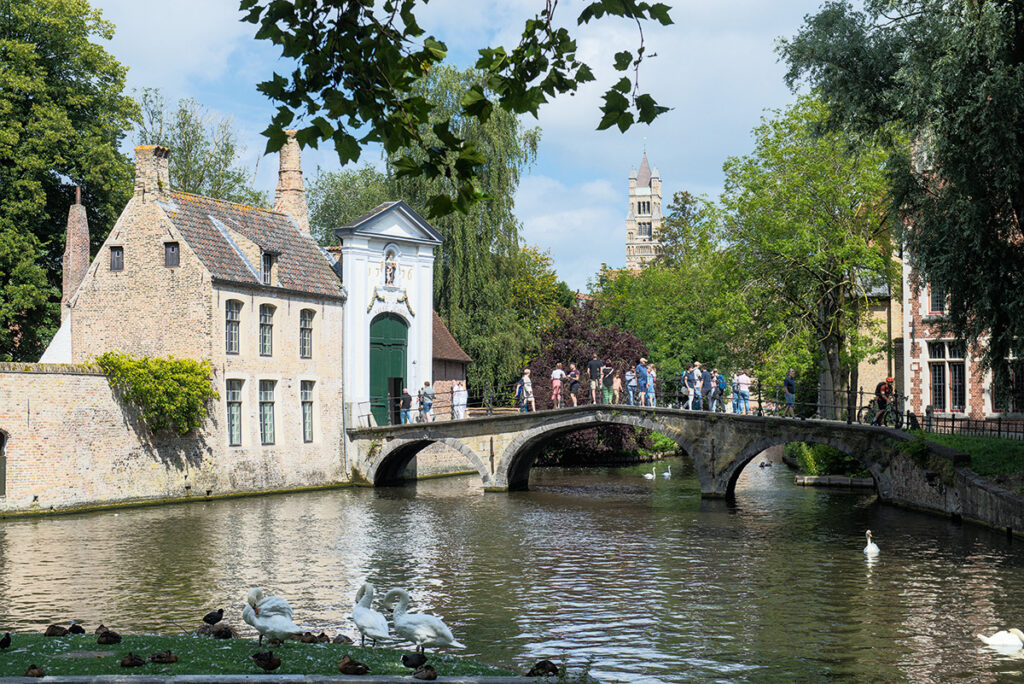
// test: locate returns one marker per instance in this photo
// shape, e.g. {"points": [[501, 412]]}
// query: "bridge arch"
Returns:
{"points": [[395, 455], [755, 447], [518, 457]]}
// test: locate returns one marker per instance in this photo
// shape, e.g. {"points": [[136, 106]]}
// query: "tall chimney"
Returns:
{"points": [[290, 195], [76, 252], [152, 177]]}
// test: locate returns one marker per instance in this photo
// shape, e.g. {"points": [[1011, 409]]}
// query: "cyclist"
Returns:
{"points": [[883, 395]]}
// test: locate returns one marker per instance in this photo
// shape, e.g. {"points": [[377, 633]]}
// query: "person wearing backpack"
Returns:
{"points": [[720, 386]]}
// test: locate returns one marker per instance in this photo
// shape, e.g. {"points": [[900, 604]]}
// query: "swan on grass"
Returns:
{"points": [[872, 548], [369, 622], [419, 628], [1012, 637], [650, 475], [667, 474], [271, 616]]}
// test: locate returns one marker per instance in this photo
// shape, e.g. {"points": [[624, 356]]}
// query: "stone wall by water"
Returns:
{"points": [[69, 442]]}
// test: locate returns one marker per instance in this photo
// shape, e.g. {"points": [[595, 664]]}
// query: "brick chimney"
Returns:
{"points": [[76, 252], [152, 178], [290, 195]]}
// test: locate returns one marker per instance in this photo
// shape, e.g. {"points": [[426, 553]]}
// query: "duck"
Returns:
{"points": [[413, 660], [108, 638], [419, 628], [132, 660], [271, 616], [872, 548], [266, 660], [369, 622], [5, 642], [426, 672], [350, 666], [35, 671], [76, 628], [668, 474], [1007, 637], [164, 657], [650, 475]]}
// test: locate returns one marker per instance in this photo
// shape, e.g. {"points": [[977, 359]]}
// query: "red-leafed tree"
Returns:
{"points": [[576, 337]]}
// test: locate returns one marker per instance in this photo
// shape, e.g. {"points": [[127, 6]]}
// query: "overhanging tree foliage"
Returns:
{"points": [[950, 75], [63, 116], [358, 78]]}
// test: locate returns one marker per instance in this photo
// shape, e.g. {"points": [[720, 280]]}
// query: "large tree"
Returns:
{"points": [[807, 220], [360, 67], [950, 76], [204, 147], [64, 115]]}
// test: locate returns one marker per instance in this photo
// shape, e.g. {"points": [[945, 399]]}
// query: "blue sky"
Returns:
{"points": [[716, 67]]}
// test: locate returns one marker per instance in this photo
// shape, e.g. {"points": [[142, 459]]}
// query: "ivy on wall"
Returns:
{"points": [[170, 394]]}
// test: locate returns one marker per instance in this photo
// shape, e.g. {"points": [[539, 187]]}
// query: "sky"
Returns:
{"points": [[716, 67]]}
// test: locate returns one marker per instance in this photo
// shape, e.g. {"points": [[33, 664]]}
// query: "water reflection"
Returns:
{"points": [[643, 579]]}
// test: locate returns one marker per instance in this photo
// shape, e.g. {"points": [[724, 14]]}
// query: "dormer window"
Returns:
{"points": [[267, 268]]}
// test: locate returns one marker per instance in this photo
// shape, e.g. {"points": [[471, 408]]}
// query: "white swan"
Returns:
{"points": [[668, 474], [1012, 637], [650, 475], [419, 628], [369, 622], [872, 548], [271, 616]]}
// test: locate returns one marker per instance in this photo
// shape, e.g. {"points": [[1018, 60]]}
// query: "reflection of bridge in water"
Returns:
{"points": [[502, 448]]}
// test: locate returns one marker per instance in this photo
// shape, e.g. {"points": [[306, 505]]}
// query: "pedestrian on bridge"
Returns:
{"points": [[617, 388], [688, 385], [528, 402], [652, 379], [574, 382], [594, 370], [608, 381], [743, 385], [789, 389], [406, 406], [556, 386], [631, 385], [426, 402], [641, 381]]}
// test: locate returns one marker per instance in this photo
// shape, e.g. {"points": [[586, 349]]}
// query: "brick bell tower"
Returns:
{"points": [[290, 195]]}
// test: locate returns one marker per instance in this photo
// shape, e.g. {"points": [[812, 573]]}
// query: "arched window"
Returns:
{"points": [[266, 330], [306, 334], [232, 318]]}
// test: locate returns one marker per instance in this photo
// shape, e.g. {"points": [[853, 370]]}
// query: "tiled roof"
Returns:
{"points": [[203, 223], [445, 346], [643, 176]]}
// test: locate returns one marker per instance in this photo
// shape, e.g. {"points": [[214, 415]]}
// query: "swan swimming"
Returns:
{"points": [[668, 474], [419, 628], [650, 475], [271, 616], [1012, 637], [369, 622], [872, 548]]}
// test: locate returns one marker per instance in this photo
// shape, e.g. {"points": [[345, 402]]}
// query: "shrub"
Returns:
{"points": [[821, 459], [170, 394]]}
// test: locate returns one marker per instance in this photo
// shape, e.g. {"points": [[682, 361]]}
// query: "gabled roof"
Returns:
{"points": [[204, 223], [363, 225], [643, 176], [445, 346]]}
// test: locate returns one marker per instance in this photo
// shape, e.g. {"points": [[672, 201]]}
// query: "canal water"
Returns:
{"points": [[639, 579]]}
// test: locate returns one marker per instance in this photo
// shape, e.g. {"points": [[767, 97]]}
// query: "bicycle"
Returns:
{"points": [[890, 416]]}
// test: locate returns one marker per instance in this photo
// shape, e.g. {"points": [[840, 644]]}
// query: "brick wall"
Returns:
{"points": [[70, 442]]}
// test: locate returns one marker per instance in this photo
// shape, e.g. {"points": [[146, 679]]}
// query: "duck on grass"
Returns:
{"points": [[80, 655]]}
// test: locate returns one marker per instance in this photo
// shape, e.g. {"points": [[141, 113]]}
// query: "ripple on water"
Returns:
{"points": [[643, 580]]}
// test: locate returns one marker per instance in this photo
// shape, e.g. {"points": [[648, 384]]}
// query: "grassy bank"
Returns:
{"points": [[990, 456], [81, 655]]}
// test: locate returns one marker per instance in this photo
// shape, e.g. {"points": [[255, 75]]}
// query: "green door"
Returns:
{"points": [[389, 337]]}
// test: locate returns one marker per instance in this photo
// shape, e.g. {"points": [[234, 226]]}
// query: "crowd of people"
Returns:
{"points": [[700, 388]]}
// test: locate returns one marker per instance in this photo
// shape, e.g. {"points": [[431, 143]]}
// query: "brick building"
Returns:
{"points": [[940, 373]]}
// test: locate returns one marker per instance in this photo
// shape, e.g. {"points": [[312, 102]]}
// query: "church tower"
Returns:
{"points": [[643, 219]]}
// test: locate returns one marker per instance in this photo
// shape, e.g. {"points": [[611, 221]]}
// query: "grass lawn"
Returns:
{"points": [[990, 456], [81, 655]]}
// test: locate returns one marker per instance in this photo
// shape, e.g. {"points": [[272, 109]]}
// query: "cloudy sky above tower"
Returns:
{"points": [[716, 67]]}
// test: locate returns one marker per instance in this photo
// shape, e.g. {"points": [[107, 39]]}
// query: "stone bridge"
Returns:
{"points": [[502, 448]]}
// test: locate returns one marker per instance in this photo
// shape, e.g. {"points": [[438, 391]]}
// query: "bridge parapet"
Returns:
{"points": [[906, 470]]}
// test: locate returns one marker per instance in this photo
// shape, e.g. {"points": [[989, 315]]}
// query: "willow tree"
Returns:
{"points": [[806, 220]]}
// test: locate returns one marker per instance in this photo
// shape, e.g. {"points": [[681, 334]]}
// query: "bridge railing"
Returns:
{"points": [[760, 399]]}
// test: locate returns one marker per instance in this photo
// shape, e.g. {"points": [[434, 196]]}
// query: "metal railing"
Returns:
{"points": [[760, 399]]}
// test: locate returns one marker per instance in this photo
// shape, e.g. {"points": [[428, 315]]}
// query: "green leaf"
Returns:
{"points": [[623, 60]]}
